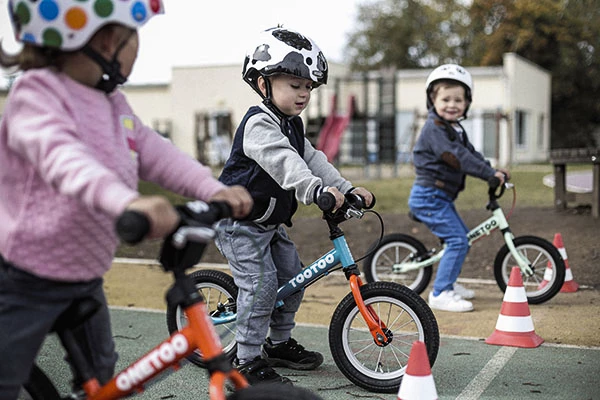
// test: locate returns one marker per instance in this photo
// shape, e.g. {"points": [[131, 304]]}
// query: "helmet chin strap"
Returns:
{"points": [[111, 70], [268, 102]]}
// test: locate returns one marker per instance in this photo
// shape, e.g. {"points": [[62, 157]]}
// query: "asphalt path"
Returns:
{"points": [[465, 368]]}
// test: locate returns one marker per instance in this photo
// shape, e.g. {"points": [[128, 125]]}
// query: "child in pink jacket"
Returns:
{"points": [[71, 154]]}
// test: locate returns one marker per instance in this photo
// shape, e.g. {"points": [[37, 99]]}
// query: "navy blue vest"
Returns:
{"points": [[272, 204]]}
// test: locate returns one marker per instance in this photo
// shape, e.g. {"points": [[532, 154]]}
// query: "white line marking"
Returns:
{"points": [[483, 379], [147, 261], [312, 325]]}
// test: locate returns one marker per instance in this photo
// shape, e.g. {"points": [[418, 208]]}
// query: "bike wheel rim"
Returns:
{"points": [[395, 354]]}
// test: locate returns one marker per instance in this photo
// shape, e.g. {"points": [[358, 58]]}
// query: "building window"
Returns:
{"points": [[406, 132], [214, 131], [521, 122], [540, 131], [163, 126], [490, 134]]}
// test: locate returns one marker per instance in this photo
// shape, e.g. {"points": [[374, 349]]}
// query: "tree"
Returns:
{"points": [[407, 34], [559, 35], [562, 36]]}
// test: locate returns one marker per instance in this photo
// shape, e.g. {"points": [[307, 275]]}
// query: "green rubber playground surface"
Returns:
{"points": [[464, 369]]}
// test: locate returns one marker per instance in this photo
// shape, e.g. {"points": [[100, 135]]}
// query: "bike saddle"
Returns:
{"points": [[79, 311]]}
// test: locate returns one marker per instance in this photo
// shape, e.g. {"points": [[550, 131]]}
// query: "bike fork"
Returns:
{"points": [[376, 326], [521, 261]]}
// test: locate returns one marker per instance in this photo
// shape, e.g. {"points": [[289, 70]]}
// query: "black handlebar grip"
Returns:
{"points": [[372, 202], [494, 182], [132, 226], [326, 201], [358, 201], [195, 212], [225, 210]]}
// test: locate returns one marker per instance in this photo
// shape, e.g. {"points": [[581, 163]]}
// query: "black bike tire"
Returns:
{"points": [[405, 241], [217, 278], [392, 292], [558, 266], [39, 386], [273, 392]]}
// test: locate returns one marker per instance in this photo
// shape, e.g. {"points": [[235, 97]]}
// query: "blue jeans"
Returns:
{"points": [[436, 209]]}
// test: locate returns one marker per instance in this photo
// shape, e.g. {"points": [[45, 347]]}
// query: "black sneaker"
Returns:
{"points": [[258, 371], [290, 354]]}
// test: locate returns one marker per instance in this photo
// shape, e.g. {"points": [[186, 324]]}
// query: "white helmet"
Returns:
{"points": [[69, 24], [452, 72], [282, 51]]}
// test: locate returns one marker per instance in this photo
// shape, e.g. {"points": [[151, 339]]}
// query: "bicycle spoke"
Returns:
{"points": [[537, 259], [388, 260]]}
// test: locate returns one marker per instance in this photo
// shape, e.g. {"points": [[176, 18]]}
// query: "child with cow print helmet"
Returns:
{"points": [[71, 157], [282, 51], [272, 158]]}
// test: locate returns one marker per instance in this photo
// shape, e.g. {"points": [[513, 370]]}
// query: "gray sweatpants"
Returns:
{"points": [[261, 260], [28, 308]]}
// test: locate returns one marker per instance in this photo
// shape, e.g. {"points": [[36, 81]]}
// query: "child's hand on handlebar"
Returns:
{"points": [[161, 214], [339, 197], [365, 194], [503, 175], [238, 199]]}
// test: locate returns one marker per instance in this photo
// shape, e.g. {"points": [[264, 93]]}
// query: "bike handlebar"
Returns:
{"points": [[494, 184], [133, 226], [326, 201], [352, 208]]}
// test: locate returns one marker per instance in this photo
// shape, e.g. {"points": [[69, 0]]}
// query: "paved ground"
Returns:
{"points": [[578, 182], [465, 369]]}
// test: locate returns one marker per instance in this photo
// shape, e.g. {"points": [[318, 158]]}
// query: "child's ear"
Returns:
{"points": [[262, 85]]}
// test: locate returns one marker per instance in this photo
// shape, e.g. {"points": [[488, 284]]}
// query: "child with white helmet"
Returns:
{"points": [[71, 154], [279, 167], [442, 157]]}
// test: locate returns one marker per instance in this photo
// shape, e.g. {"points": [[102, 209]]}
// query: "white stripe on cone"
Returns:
{"points": [[515, 294], [417, 388], [563, 253], [568, 275], [509, 323]]}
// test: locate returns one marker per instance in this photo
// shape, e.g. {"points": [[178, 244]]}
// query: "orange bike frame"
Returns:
{"points": [[321, 267], [198, 334]]}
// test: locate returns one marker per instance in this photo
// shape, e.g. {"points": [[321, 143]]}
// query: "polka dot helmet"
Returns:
{"points": [[69, 24], [282, 51]]}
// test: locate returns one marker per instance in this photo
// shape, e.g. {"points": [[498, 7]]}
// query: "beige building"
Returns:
{"points": [[509, 121]]}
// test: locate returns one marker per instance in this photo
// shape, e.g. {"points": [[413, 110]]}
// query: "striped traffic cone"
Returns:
{"points": [[515, 326], [569, 286], [417, 383]]}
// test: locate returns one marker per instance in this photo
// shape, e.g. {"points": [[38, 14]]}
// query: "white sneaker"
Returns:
{"points": [[448, 300], [463, 292]]}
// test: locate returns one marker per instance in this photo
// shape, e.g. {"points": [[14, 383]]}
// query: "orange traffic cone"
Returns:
{"points": [[569, 286], [418, 383], [515, 326]]}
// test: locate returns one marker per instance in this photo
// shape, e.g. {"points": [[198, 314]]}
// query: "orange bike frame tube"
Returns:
{"points": [[373, 322], [198, 334]]}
